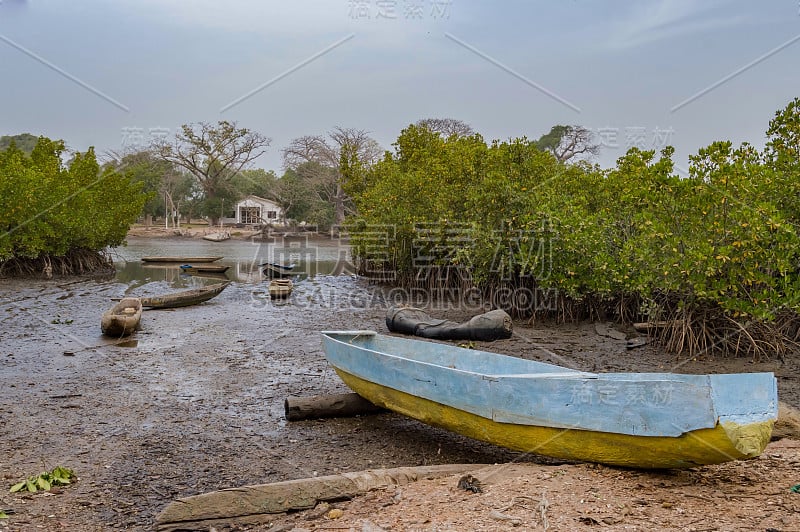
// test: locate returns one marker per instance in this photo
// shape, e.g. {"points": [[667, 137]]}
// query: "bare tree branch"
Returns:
{"points": [[569, 142], [320, 158], [447, 127], [213, 154]]}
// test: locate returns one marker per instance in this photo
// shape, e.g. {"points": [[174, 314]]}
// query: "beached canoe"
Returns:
{"points": [[218, 236], [643, 420], [200, 268], [123, 318], [185, 298], [180, 259], [280, 288], [277, 270]]}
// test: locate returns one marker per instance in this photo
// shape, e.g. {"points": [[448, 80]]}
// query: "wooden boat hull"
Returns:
{"points": [[387, 381], [123, 318], [280, 288], [217, 237], [204, 269], [185, 298], [181, 259], [277, 271]]}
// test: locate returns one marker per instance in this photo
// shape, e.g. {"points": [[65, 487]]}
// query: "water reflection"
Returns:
{"points": [[244, 258]]}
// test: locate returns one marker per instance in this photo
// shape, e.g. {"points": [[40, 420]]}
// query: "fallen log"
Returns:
{"points": [[259, 503], [319, 406]]}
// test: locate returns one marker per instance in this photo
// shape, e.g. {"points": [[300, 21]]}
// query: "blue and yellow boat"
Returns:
{"points": [[641, 420]]}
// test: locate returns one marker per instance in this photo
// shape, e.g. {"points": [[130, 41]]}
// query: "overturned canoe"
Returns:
{"points": [[644, 420], [219, 236], [185, 298], [123, 318], [492, 325]]}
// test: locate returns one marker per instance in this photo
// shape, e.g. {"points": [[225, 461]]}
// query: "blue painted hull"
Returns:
{"points": [[511, 391]]}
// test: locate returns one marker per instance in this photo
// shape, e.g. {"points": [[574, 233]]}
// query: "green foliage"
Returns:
{"points": [[45, 481], [256, 182], [24, 141], [635, 241], [50, 208]]}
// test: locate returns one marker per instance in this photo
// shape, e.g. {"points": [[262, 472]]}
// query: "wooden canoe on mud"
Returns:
{"points": [[280, 288], [185, 298], [219, 236], [276, 270], [203, 268], [123, 318], [181, 259], [642, 420]]}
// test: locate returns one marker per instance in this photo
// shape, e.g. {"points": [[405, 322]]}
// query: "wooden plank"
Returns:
{"points": [[259, 503]]}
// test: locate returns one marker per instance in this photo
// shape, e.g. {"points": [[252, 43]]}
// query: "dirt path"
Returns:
{"points": [[195, 403]]}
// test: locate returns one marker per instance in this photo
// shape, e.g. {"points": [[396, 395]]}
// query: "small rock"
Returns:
{"points": [[320, 510], [335, 513], [500, 516], [470, 483]]}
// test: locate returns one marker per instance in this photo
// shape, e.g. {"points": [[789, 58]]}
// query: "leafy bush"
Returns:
{"points": [[50, 208], [715, 253]]}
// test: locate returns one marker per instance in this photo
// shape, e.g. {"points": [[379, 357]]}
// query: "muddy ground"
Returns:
{"points": [[195, 403]]}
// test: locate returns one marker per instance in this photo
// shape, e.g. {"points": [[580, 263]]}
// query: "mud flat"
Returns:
{"points": [[194, 402]]}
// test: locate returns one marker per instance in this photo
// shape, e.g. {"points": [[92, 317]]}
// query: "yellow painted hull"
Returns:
{"points": [[723, 443]]}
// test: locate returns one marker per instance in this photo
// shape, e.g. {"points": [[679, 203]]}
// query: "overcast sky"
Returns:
{"points": [[684, 72]]}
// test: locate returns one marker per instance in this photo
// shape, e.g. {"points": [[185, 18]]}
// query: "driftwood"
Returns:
{"points": [[336, 405], [260, 503], [493, 325]]}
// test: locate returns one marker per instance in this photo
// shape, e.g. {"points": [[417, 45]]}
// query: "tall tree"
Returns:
{"points": [[214, 154], [569, 142], [447, 127], [255, 181], [335, 159], [159, 178], [296, 198]]}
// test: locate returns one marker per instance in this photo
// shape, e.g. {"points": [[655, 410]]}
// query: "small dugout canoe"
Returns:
{"points": [[219, 236], [275, 270], [181, 259], [204, 268], [185, 298], [641, 420], [280, 288], [123, 318]]}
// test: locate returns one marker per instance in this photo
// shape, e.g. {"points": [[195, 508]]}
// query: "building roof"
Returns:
{"points": [[259, 199]]}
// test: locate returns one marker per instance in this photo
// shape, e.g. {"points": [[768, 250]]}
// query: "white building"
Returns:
{"points": [[253, 210]]}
